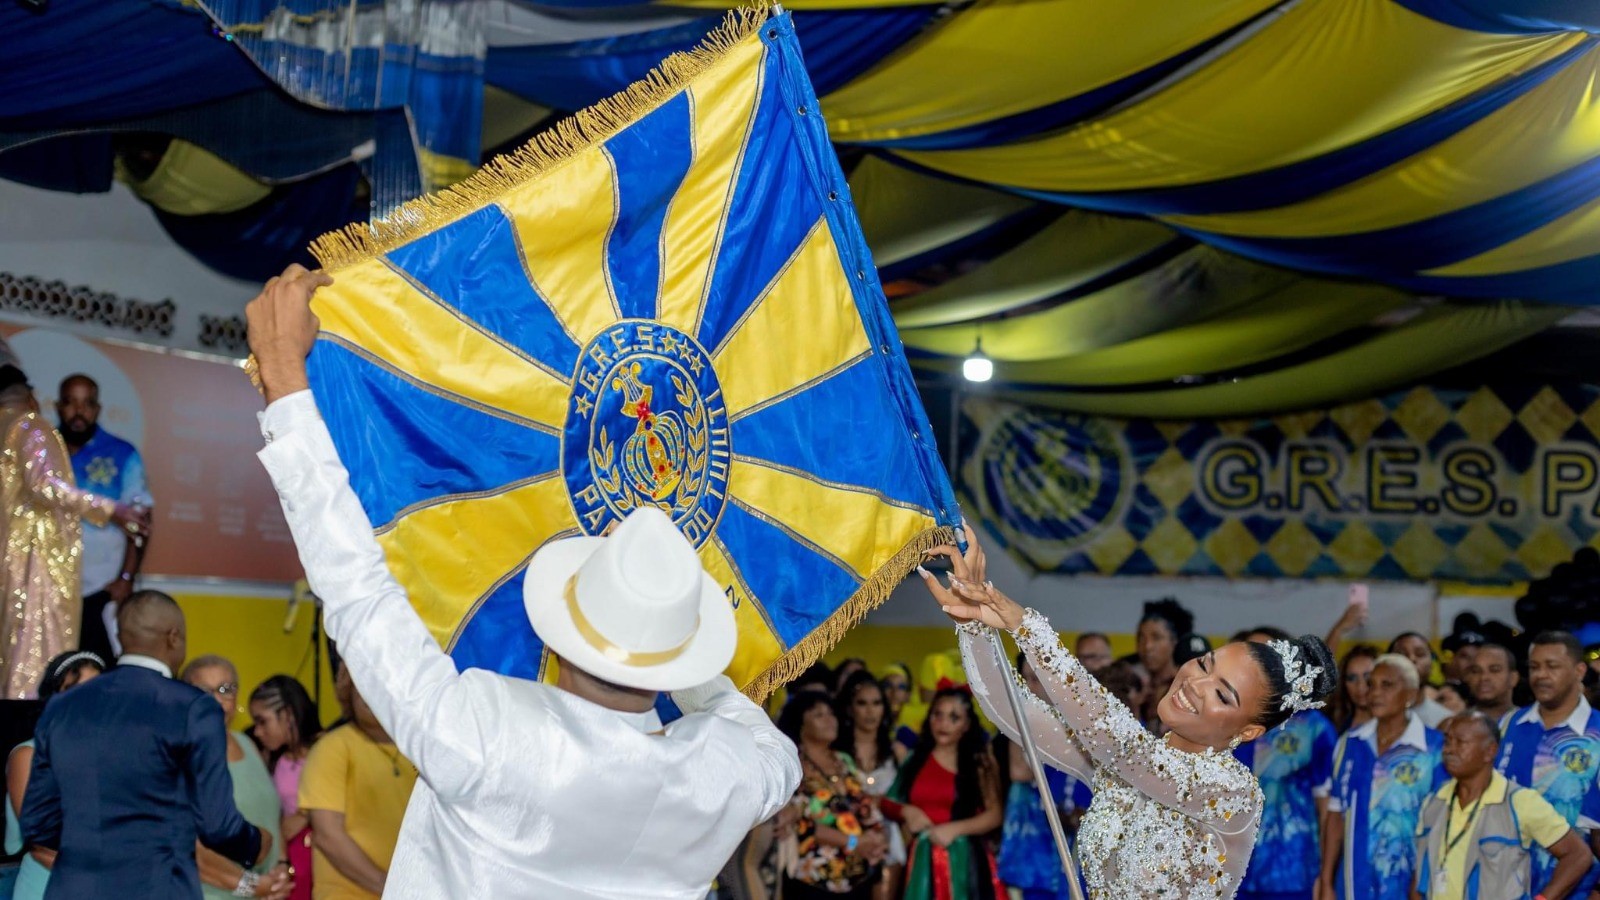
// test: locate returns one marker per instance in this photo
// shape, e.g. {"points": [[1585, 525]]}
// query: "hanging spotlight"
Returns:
{"points": [[978, 367]]}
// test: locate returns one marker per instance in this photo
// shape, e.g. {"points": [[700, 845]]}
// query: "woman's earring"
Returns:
{"points": [[1234, 744]]}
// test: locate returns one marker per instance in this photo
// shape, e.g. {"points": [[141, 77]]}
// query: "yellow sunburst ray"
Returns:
{"points": [[444, 583], [758, 640], [856, 527], [807, 319], [692, 232], [423, 338], [562, 227]]}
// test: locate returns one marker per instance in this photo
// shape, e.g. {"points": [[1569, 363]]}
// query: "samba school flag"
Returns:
{"points": [[667, 301]]}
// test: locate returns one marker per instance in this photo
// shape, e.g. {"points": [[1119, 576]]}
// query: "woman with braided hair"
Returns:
{"points": [[1173, 816]]}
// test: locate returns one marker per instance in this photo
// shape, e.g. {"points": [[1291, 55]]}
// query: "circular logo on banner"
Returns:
{"points": [[1056, 479], [646, 426]]}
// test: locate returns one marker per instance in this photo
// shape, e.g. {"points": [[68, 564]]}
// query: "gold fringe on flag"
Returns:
{"points": [[542, 155], [868, 597]]}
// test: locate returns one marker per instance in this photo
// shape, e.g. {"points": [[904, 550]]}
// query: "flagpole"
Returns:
{"points": [[1046, 800]]}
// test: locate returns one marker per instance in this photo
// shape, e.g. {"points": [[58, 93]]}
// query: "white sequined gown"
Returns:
{"points": [[1164, 823]]}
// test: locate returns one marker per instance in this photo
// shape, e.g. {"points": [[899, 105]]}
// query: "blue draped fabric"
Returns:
{"points": [[838, 46], [1450, 238], [1055, 115], [86, 62], [259, 241], [77, 163], [1511, 16]]}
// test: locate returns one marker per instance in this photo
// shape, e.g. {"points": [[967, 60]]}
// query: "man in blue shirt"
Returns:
{"points": [[1383, 771], [111, 467], [1553, 746], [1294, 764]]}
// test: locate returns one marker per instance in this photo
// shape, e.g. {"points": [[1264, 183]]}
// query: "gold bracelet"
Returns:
{"points": [[253, 369]]}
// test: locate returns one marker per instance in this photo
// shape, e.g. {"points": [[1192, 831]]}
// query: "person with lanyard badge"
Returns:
{"points": [[1294, 764], [1474, 835], [1383, 771], [1553, 746]]}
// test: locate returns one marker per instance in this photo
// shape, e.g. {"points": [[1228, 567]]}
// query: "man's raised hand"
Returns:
{"points": [[282, 329]]}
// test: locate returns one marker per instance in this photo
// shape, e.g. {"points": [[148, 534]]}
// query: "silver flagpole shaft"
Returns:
{"points": [[1051, 814]]}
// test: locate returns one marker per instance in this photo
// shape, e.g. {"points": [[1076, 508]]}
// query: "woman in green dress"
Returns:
{"points": [[66, 670], [253, 793]]}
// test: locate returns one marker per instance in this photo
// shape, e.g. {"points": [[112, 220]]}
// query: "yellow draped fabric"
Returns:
{"points": [[1194, 285], [931, 84], [1281, 323], [905, 214], [1072, 251], [1441, 337], [1572, 236], [1327, 75], [192, 181], [1552, 128]]}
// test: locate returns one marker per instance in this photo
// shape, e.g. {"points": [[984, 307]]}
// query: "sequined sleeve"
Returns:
{"points": [[47, 472], [985, 671], [1211, 787]]}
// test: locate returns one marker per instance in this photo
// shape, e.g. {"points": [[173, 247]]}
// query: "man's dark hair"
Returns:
{"points": [[1511, 658], [12, 377], [76, 376], [1092, 635], [1565, 639]]}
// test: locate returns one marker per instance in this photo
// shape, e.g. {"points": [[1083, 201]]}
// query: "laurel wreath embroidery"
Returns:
{"points": [[603, 458], [694, 422]]}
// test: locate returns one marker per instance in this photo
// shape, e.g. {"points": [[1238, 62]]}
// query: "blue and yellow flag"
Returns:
{"points": [[664, 301]]}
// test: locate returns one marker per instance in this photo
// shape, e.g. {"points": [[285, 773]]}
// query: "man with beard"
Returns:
{"points": [[111, 467], [1553, 746], [1492, 677], [43, 540]]}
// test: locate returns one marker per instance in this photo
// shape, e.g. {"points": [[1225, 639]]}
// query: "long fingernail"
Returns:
{"points": [[923, 572]]}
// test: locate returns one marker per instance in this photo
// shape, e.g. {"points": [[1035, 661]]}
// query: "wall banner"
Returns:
{"points": [[1496, 484]]}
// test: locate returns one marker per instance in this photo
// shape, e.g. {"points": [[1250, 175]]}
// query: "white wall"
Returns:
{"points": [[109, 242]]}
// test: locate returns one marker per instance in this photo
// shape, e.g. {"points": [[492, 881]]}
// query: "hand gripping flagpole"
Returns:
{"points": [[1046, 799]]}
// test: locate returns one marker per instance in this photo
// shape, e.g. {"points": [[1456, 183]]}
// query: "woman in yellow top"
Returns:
{"points": [[355, 787]]}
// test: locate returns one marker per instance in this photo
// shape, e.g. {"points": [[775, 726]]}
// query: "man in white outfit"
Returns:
{"points": [[529, 790]]}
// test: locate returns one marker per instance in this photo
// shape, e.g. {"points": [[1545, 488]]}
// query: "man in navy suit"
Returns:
{"points": [[131, 768]]}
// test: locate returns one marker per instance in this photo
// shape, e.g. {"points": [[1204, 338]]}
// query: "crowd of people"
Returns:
{"points": [[1183, 770], [1473, 775], [327, 802]]}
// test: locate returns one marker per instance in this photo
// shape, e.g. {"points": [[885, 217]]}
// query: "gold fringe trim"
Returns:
{"points": [[867, 598], [540, 156]]}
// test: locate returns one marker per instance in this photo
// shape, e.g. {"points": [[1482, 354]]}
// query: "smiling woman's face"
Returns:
{"points": [[1215, 697]]}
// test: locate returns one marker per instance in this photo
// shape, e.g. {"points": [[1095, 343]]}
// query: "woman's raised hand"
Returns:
{"points": [[969, 597]]}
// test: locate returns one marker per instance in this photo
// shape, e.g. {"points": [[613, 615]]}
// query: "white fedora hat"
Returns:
{"points": [[635, 608]]}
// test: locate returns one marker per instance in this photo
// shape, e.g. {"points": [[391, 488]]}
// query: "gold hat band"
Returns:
{"points": [[613, 652]]}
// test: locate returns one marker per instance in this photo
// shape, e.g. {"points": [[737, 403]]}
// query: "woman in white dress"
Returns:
{"points": [[1172, 817]]}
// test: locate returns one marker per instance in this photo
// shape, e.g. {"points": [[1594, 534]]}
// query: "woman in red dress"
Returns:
{"points": [[948, 796]]}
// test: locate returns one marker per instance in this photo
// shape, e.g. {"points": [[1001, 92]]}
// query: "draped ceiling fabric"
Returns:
{"points": [[1163, 205]]}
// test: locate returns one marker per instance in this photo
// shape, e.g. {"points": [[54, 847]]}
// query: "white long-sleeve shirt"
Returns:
{"points": [[526, 790]]}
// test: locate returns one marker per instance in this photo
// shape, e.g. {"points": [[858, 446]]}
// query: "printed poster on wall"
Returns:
{"points": [[215, 513], [1493, 485]]}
